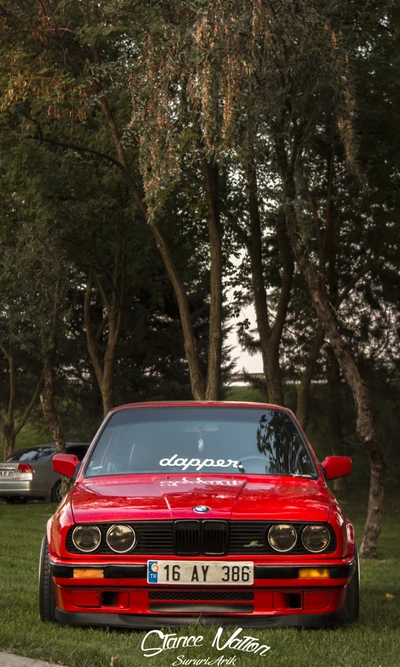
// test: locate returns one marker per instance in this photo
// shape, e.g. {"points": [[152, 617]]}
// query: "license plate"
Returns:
{"points": [[200, 572], [6, 473]]}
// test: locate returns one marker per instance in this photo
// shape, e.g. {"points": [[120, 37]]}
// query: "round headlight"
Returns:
{"points": [[86, 538], [315, 538], [121, 538], [282, 537]]}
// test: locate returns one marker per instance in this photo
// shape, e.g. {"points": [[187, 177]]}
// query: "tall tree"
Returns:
{"points": [[73, 66], [271, 74]]}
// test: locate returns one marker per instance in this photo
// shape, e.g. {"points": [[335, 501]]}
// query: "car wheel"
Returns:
{"points": [[56, 492], [47, 593], [353, 592]]}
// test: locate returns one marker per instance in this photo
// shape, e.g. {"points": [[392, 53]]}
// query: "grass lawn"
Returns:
{"points": [[372, 642]]}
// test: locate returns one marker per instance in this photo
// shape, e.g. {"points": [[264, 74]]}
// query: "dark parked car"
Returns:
{"points": [[28, 473]]}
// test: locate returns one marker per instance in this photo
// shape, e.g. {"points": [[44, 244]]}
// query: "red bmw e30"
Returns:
{"points": [[215, 511]]}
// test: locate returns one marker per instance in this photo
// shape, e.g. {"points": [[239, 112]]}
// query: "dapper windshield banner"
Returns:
{"points": [[197, 464]]}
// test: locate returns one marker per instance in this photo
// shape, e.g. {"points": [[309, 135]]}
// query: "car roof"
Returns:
{"points": [[50, 444], [200, 404]]}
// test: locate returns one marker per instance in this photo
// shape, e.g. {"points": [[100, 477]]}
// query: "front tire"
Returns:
{"points": [[47, 593], [56, 492], [353, 592]]}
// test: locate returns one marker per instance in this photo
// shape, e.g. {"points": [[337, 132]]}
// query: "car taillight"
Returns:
{"points": [[25, 467]]}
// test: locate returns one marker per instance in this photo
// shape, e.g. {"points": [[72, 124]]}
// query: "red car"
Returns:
{"points": [[199, 510]]}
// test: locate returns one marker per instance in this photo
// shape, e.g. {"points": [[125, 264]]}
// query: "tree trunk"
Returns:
{"points": [[335, 414], [50, 414], [8, 439], [47, 403], [107, 384], [316, 283], [8, 428], [287, 259], [7, 425], [303, 394], [365, 427], [90, 337], [197, 381], [271, 370], [210, 173], [372, 528], [270, 337], [104, 369]]}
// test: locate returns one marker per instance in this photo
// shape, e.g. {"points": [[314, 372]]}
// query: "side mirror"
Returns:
{"points": [[336, 466], [65, 464]]}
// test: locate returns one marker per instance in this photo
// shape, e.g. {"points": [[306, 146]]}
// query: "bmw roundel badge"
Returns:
{"points": [[201, 509]]}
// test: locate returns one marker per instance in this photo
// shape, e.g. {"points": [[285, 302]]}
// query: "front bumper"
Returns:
{"points": [[24, 486], [148, 622], [15, 487], [278, 598]]}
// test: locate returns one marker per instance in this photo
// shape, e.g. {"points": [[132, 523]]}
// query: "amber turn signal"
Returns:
{"points": [[85, 573], [313, 573]]}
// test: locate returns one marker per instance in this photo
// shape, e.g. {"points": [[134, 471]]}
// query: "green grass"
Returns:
{"points": [[372, 642]]}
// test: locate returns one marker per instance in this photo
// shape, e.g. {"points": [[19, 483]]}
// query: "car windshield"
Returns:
{"points": [[201, 440]]}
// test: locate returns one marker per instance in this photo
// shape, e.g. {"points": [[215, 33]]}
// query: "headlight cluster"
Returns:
{"points": [[120, 538], [315, 538], [282, 537]]}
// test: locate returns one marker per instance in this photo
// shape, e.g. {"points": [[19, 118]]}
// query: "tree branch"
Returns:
{"points": [[317, 223], [80, 149], [286, 281], [84, 149]]}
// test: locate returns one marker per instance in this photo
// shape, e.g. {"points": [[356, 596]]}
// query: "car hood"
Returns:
{"points": [[147, 497]]}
